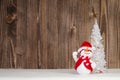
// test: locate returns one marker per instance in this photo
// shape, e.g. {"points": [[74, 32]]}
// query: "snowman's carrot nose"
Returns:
{"points": [[87, 49]]}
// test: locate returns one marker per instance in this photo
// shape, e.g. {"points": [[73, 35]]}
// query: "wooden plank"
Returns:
{"points": [[117, 24], [72, 39], [11, 20], [38, 33], [43, 33], [52, 37], [31, 53], [113, 19], [4, 42], [21, 34], [63, 33]]}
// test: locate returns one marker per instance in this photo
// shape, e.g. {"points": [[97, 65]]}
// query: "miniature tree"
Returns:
{"points": [[98, 52]]}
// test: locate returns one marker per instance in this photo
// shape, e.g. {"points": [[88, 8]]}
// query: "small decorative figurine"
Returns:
{"points": [[82, 58]]}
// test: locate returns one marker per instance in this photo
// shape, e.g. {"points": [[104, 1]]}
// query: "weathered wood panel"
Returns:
{"points": [[32, 39], [7, 33], [44, 33], [52, 31], [21, 34], [4, 56], [113, 8]]}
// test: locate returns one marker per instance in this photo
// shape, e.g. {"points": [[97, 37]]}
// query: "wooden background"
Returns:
{"points": [[44, 33]]}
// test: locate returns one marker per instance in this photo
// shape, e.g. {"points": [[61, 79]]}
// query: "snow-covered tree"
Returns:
{"points": [[98, 53]]}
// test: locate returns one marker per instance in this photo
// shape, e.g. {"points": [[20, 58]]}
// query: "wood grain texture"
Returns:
{"points": [[4, 56], [32, 41], [21, 34], [42, 34], [113, 31], [52, 37]]}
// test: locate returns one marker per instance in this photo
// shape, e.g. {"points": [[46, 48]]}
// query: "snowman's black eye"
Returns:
{"points": [[82, 50], [89, 50]]}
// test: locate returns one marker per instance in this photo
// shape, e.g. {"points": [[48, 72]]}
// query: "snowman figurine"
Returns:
{"points": [[82, 58]]}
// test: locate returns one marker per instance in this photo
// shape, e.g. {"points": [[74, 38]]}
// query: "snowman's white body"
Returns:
{"points": [[82, 69]]}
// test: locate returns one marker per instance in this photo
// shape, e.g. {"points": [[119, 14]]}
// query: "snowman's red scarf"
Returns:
{"points": [[80, 60]]}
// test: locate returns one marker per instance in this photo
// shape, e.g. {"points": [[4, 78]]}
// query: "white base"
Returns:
{"points": [[56, 74]]}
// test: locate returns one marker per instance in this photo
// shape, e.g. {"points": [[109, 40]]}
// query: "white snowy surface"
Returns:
{"points": [[56, 74]]}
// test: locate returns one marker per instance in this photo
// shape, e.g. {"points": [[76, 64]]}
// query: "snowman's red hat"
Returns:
{"points": [[85, 45]]}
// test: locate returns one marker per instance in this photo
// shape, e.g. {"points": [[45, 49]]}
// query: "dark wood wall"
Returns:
{"points": [[44, 33]]}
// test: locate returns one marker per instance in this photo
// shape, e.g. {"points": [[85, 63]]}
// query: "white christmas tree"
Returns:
{"points": [[98, 53]]}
